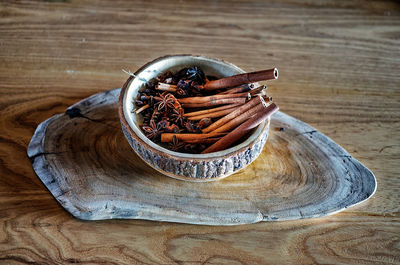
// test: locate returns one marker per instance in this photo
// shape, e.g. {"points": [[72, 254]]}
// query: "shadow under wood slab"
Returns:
{"points": [[87, 164]]}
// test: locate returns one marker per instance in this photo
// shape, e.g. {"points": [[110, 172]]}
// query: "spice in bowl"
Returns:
{"points": [[190, 112]]}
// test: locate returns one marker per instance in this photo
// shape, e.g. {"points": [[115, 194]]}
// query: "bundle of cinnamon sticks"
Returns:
{"points": [[194, 113]]}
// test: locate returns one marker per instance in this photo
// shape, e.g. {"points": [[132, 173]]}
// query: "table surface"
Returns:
{"points": [[339, 71]]}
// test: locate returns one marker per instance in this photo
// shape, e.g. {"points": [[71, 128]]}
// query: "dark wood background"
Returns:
{"points": [[339, 71]]}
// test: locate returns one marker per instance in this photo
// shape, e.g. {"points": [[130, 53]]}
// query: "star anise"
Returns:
{"points": [[175, 145], [154, 130], [165, 102], [178, 116]]}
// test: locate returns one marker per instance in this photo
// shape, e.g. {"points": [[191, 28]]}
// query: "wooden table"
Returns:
{"points": [[339, 71]]}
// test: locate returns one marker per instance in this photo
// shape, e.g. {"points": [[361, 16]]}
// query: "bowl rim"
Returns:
{"points": [[178, 155]]}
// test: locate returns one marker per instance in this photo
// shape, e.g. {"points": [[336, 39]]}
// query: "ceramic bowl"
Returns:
{"points": [[183, 166]]}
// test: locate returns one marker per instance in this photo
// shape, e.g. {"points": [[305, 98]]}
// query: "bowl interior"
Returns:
{"points": [[175, 63]]}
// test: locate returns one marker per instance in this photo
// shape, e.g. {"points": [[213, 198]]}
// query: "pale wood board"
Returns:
{"points": [[338, 64], [84, 160]]}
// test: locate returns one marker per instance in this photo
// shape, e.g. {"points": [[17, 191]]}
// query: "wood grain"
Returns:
{"points": [[85, 161], [338, 64]]}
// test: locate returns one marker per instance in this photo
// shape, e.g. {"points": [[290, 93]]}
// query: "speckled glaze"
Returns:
{"points": [[191, 167]]}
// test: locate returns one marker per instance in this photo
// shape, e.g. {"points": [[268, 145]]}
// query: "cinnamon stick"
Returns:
{"points": [[232, 115], [201, 112], [167, 137], [241, 130], [166, 87], [203, 141], [215, 102], [239, 119], [210, 98], [257, 90], [142, 108], [252, 92], [266, 98], [241, 79], [215, 114], [239, 89]]}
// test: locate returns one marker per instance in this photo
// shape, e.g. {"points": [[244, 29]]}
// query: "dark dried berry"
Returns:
{"points": [[165, 102], [139, 103], [181, 92], [196, 74], [203, 123], [184, 84]]}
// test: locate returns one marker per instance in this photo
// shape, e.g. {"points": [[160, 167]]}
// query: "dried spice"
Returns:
{"points": [[190, 112], [153, 131]]}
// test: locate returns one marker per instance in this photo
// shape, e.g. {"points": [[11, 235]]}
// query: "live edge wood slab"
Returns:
{"points": [[87, 164]]}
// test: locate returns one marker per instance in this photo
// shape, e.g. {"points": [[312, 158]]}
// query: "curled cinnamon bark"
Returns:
{"points": [[201, 112], [142, 108], [213, 114], [167, 137], [210, 98], [239, 89], [241, 79], [257, 90], [232, 115], [241, 130], [239, 119], [166, 87], [203, 141], [215, 102]]}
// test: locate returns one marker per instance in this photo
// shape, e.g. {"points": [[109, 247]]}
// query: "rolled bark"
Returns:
{"points": [[241, 79], [201, 112], [167, 137], [232, 115], [257, 90], [166, 87], [212, 98], [203, 141], [239, 119], [142, 108], [241, 130], [239, 89], [215, 103], [213, 114]]}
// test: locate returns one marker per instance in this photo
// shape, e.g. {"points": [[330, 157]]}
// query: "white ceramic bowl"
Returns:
{"points": [[192, 167]]}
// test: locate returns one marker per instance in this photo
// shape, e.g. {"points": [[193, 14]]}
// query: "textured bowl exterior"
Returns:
{"points": [[197, 169], [191, 168]]}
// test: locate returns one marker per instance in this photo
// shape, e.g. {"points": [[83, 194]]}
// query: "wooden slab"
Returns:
{"points": [[87, 164]]}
